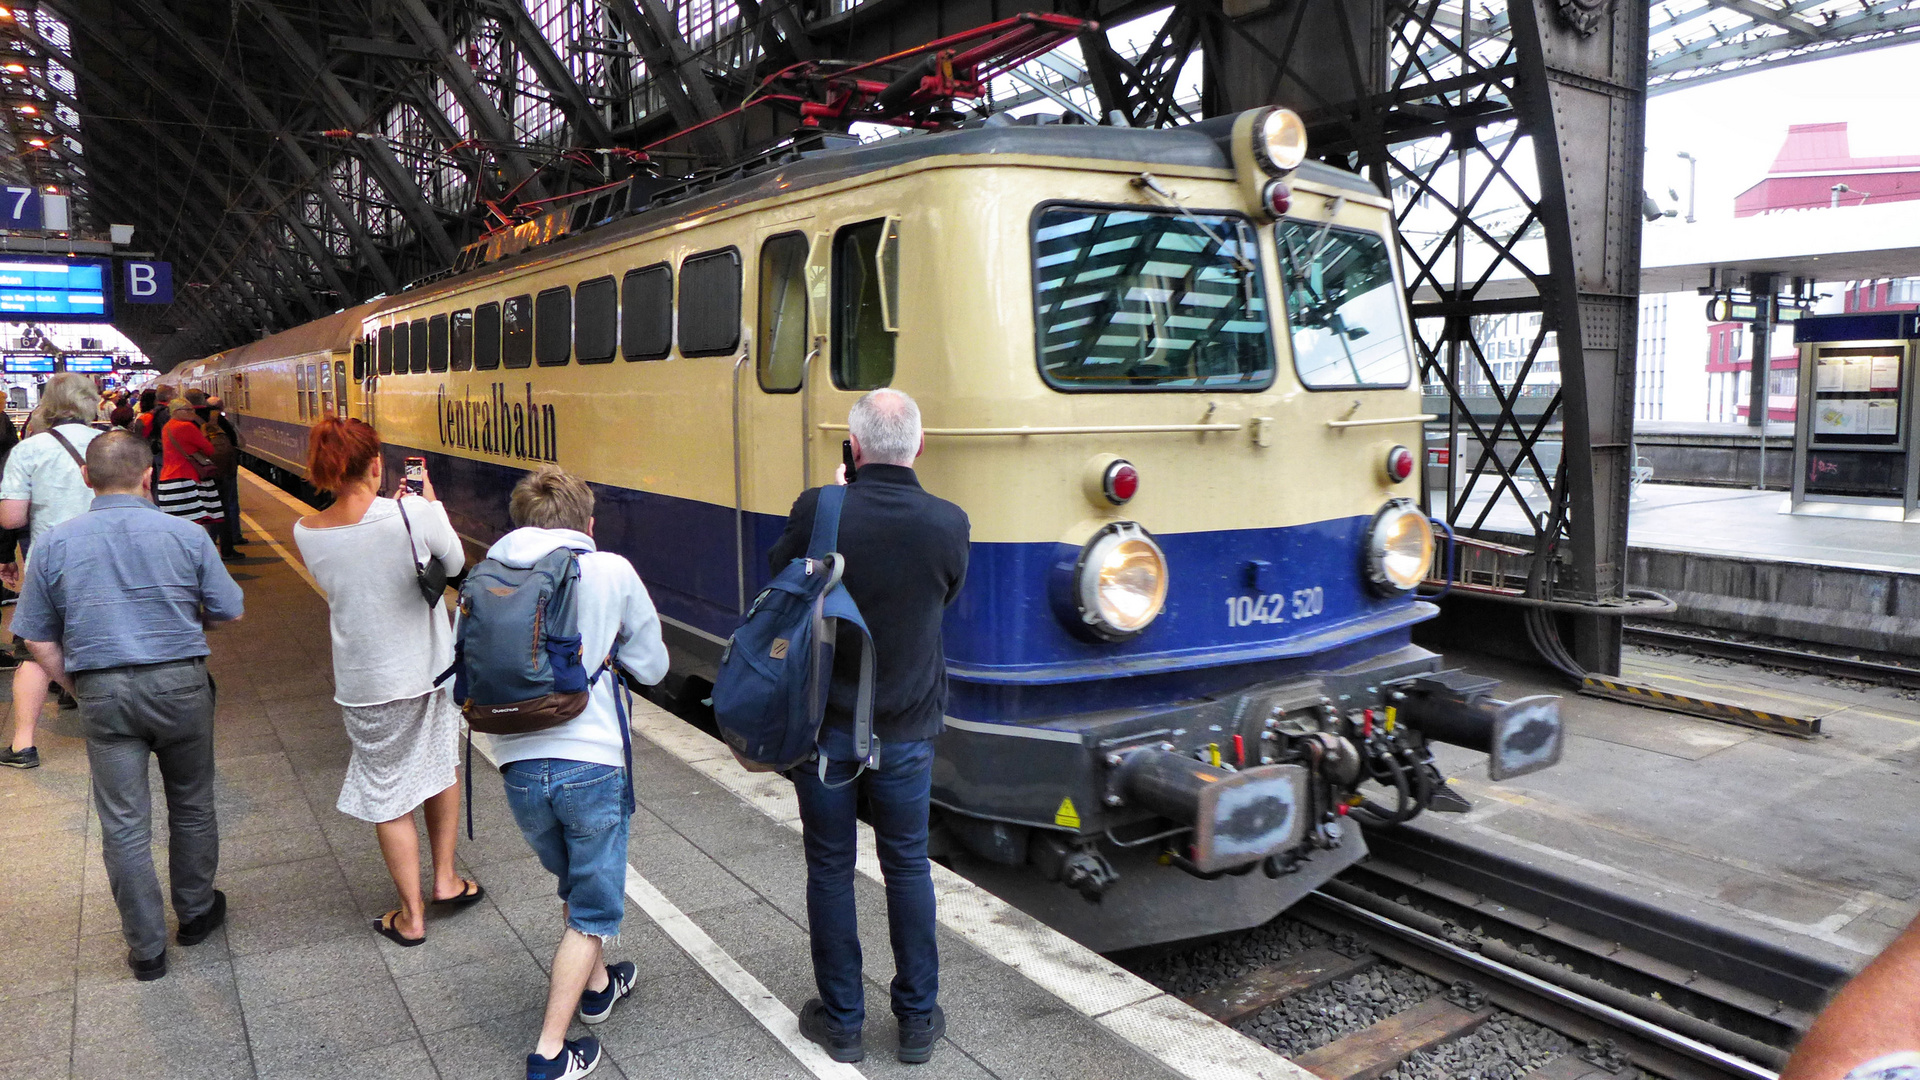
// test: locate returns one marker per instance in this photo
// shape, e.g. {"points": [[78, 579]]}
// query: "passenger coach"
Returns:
{"points": [[1167, 373]]}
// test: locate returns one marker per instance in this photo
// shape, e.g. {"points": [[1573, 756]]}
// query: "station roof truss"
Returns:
{"points": [[294, 157]]}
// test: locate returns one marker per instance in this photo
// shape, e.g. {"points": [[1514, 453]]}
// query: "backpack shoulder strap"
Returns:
{"points": [[71, 452], [826, 521]]}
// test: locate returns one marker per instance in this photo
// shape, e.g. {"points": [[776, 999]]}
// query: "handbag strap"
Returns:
{"points": [[71, 452], [413, 553]]}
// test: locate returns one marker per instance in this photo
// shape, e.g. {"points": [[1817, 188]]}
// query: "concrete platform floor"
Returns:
{"points": [[1730, 521], [1811, 843], [297, 984]]}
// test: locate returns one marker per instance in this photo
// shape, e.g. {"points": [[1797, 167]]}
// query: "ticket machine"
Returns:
{"points": [[1855, 449]]}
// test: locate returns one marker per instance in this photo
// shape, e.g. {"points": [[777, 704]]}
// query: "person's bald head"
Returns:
{"points": [[885, 424], [118, 463]]}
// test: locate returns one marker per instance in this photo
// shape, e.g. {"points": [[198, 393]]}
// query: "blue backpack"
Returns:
{"points": [[771, 693], [517, 661]]}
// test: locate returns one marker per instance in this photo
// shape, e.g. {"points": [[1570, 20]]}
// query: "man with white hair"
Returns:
{"points": [[906, 556]]}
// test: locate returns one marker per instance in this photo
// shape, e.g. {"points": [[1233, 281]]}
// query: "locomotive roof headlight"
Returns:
{"points": [[1280, 141], [1121, 581], [1399, 548]]}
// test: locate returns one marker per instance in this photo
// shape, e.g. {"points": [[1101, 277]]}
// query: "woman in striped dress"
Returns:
{"points": [[180, 491]]}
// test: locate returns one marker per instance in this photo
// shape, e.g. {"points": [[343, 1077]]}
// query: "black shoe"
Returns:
{"points": [[241, 540], [919, 1033], [65, 699], [20, 759], [839, 1045], [231, 555], [194, 931], [149, 970]]}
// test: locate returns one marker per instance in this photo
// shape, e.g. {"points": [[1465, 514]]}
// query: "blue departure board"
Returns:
{"points": [[91, 365], [56, 290], [29, 365]]}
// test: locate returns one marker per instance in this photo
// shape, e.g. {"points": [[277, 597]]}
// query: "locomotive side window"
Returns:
{"points": [[862, 340], [1127, 299], [783, 312], [460, 339], [486, 337], [386, 350], [401, 338], [710, 303], [646, 313], [596, 320], [437, 343], [417, 352], [553, 326], [516, 320], [1343, 307]]}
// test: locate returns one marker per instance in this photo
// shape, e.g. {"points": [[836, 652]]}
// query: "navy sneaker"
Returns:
{"points": [[576, 1058], [840, 1045], [28, 758], [596, 1007], [919, 1033]]}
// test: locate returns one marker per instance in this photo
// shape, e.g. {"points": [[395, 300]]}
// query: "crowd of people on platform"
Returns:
{"points": [[125, 511]]}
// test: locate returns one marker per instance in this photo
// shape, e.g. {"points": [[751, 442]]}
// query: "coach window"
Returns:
{"points": [[516, 336], [401, 340], [553, 326], [340, 387], [417, 352], [437, 343], [326, 389], [486, 337], [300, 389], [386, 350], [783, 312], [596, 320], [313, 393], [460, 331], [710, 303], [359, 360], [646, 313], [863, 262]]}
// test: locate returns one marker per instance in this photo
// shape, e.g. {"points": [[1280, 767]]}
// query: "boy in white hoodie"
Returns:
{"points": [[567, 785]]}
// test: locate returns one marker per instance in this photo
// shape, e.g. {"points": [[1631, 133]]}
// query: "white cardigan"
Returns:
{"points": [[387, 644]]}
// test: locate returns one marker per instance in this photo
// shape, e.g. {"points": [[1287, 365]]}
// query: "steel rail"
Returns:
{"points": [[1675, 1055], [1781, 655]]}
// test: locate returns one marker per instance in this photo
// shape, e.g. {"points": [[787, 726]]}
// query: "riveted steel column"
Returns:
{"points": [[1581, 97]]}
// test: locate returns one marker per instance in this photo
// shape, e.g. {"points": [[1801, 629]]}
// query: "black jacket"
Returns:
{"points": [[906, 555]]}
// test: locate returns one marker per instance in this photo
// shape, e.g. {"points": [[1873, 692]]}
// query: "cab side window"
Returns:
{"points": [[782, 338], [385, 350], [865, 292]]}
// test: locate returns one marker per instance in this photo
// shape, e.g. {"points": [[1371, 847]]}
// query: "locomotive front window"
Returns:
{"points": [[1128, 299], [1343, 306]]}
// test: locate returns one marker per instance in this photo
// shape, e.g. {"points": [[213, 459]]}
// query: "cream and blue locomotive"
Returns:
{"points": [[1168, 375]]}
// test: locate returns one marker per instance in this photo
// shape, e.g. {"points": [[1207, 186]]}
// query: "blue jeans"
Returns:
{"points": [[897, 800], [574, 816]]}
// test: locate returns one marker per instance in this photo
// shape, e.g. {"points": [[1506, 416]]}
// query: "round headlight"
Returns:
{"points": [[1121, 582], [1399, 547], [1280, 141]]}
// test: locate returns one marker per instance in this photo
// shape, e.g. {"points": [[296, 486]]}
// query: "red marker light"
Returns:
{"points": [[1399, 464], [1121, 482], [1276, 198]]}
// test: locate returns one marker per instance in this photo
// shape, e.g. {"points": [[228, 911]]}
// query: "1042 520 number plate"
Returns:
{"points": [[1272, 609]]}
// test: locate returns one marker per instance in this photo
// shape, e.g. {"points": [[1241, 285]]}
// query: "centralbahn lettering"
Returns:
{"points": [[497, 424]]}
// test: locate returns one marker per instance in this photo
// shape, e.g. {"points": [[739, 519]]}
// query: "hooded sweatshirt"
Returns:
{"points": [[614, 612]]}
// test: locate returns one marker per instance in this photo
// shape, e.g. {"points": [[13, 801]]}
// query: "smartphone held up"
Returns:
{"points": [[415, 482]]}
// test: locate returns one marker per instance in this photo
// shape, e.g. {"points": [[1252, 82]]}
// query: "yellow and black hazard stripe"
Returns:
{"points": [[1618, 689]]}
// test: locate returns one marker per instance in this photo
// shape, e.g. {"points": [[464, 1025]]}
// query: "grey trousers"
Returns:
{"points": [[165, 710]]}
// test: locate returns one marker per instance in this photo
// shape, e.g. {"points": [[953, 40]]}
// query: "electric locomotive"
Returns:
{"points": [[1168, 375]]}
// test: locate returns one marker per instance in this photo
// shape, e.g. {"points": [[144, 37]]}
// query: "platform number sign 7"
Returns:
{"points": [[21, 208]]}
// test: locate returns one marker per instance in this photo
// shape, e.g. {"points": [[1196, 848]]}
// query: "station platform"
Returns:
{"points": [[297, 984]]}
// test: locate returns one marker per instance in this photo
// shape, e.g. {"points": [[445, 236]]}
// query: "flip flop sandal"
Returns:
{"points": [[470, 892], [384, 925]]}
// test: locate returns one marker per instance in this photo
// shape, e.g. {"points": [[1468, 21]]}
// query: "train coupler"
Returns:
{"points": [[1518, 737]]}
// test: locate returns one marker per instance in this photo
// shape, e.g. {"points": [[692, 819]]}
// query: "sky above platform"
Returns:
{"points": [[1735, 126]]}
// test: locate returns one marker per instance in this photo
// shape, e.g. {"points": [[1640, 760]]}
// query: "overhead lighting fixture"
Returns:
{"points": [[29, 110], [37, 142], [51, 190], [17, 69]]}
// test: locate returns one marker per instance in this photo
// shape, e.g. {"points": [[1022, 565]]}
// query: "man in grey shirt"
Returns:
{"points": [[115, 606]]}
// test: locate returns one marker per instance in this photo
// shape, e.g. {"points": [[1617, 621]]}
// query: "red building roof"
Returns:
{"points": [[1814, 158]]}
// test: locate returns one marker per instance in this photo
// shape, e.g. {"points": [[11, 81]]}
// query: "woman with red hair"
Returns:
{"points": [[389, 643]]}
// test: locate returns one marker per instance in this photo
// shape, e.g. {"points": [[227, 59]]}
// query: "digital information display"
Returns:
{"points": [[91, 365], [57, 290], [29, 365]]}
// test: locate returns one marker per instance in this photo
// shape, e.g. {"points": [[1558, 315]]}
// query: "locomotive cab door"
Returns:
{"points": [[858, 312], [781, 358]]}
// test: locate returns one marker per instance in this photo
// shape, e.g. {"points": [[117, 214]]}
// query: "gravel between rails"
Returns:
{"points": [[1503, 1048]]}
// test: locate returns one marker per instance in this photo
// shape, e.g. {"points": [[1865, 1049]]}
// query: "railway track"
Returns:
{"points": [[1467, 956], [1776, 654]]}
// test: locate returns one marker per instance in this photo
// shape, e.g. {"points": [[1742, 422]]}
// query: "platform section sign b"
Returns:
{"points": [[144, 282]]}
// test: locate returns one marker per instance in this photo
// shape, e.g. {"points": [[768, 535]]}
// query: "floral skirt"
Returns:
{"points": [[404, 752]]}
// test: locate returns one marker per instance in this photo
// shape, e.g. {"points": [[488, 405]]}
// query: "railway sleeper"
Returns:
{"points": [[1241, 998], [1376, 1050]]}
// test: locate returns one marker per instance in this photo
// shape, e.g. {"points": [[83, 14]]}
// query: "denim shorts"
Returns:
{"points": [[574, 815]]}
